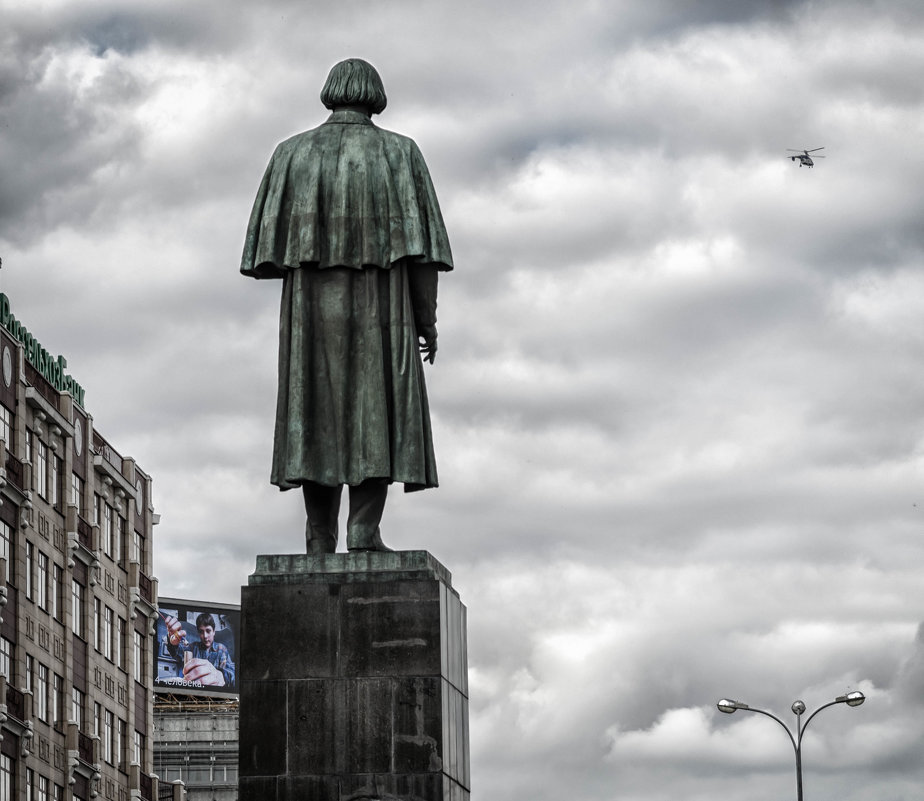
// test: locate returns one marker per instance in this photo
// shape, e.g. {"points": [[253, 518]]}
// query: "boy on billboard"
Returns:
{"points": [[206, 661]]}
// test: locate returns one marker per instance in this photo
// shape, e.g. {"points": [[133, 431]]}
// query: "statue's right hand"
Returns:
{"points": [[426, 336]]}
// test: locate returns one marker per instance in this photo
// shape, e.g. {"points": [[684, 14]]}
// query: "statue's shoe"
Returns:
{"points": [[318, 542], [363, 541]]}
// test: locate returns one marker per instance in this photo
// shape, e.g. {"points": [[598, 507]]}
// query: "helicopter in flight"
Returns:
{"points": [[805, 160]]}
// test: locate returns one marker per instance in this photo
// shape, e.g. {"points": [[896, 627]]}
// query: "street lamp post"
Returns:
{"points": [[798, 707]]}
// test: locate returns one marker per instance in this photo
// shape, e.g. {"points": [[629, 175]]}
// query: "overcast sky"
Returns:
{"points": [[679, 399]]}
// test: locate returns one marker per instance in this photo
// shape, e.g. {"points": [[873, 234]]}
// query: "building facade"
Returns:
{"points": [[77, 601], [195, 742]]}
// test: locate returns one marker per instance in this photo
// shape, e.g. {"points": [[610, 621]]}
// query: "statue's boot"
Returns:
{"points": [[367, 502], [322, 506]]}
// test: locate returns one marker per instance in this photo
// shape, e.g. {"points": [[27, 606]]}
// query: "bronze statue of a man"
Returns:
{"points": [[347, 217]]}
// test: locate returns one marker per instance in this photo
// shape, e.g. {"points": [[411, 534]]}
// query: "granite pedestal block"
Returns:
{"points": [[353, 680]]}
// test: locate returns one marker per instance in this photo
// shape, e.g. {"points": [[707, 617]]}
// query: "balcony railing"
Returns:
{"points": [[15, 703], [46, 390], [85, 747], [145, 587], [85, 533], [14, 471], [108, 452], [146, 786]]}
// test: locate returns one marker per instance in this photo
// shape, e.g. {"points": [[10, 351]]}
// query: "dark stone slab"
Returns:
{"points": [[291, 631], [391, 629], [262, 732], [256, 788]]}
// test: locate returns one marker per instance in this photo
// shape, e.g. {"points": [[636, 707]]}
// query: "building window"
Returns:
{"points": [[57, 475], [138, 550], [41, 581], [98, 624], [30, 674], [6, 658], [138, 754], [97, 719], [77, 608], [40, 698], [30, 566], [121, 528], [7, 776], [42, 789], [107, 634], [57, 592], [77, 495], [57, 694], [123, 746], [138, 655], [30, 784], [122, 645], [108, 531], [109, 738], [40, 465], [6, 549], [78, 704], [6, 426]]}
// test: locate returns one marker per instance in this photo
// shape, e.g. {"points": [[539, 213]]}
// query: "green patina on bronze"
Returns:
{"points": [[347, 217]]}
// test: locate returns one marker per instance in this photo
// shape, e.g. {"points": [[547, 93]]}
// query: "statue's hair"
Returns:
{"points": [[354, 82]]}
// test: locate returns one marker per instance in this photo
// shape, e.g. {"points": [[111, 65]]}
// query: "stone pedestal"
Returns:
{"points": [[353, 680]]}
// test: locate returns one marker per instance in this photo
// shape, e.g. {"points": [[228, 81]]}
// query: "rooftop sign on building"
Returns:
{"points": [[50, 367]]}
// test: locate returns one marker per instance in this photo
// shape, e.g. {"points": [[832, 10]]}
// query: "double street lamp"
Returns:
{"points": [[798, 707]]}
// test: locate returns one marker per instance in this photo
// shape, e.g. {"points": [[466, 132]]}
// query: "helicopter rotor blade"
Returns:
{"points": [[814, 149]]}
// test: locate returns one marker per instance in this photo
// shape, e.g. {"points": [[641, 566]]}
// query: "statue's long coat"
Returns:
{"points": [[347, 216]]}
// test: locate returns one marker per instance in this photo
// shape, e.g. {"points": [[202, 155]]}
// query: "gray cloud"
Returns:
{"points": [[677, 401]]}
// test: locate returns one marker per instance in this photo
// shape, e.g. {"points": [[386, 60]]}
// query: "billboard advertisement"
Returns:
{"points": [[196, 647]]}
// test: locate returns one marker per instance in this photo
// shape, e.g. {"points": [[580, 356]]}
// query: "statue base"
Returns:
{"points": [[354, 680]]}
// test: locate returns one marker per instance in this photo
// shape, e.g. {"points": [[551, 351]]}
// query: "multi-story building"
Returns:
{"points": [[77, 602], [196, 723], [196, 742]]}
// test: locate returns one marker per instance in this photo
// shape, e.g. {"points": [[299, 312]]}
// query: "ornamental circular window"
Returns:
{"points": [[7, 366]]}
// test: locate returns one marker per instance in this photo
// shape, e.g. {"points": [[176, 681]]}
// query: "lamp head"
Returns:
{"points": [[851, 699], [728, 706], [798, 707]]}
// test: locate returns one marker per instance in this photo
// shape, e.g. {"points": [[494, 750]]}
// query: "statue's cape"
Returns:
{"points": [[344, 194]]}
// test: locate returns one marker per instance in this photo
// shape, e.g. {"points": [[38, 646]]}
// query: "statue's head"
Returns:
{"points": [[354, 82]]}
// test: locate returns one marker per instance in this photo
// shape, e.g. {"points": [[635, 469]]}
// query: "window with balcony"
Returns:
{"points": [[77, 495], [78, 705]]}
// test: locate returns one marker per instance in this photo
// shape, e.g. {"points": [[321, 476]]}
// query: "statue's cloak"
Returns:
{"points": [[347, 216]]}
